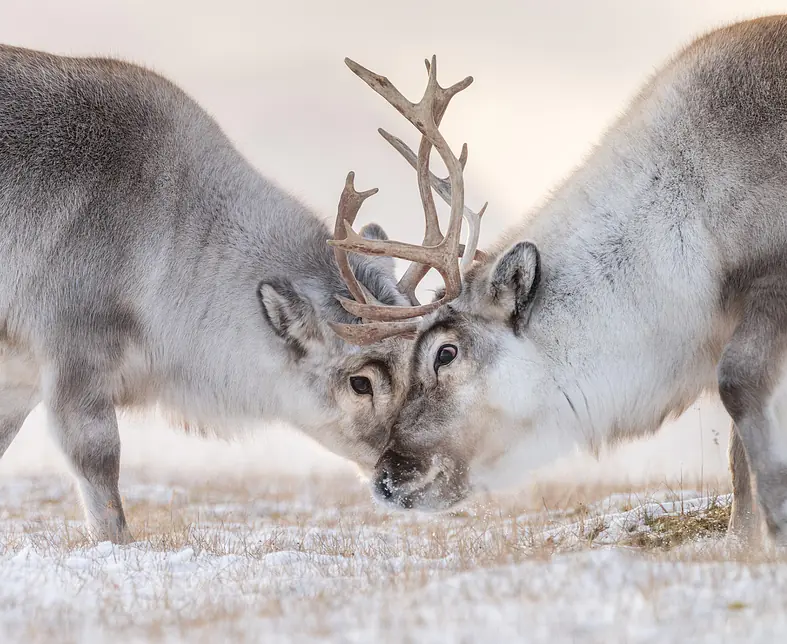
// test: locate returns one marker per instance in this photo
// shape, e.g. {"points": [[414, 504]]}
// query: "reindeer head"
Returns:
{"points": [[429, 449], [473, 391], [341, 394]]}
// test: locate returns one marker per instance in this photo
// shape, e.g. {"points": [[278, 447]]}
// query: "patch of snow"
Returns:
{"points": [[399, 578]]}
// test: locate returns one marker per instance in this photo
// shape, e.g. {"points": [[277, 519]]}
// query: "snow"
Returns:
{"points": [[292, 561]]}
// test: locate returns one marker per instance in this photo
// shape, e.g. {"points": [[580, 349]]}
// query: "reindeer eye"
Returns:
{"points": [[361, 385], [445, 355]]}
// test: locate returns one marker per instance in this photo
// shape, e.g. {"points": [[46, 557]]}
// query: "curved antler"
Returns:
{"points": [[437, 251], [371, 332], [350, 203]]}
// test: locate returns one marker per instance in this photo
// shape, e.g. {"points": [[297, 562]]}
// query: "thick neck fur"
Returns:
{"points": [[629, 324], [626, 338], [257, 233]]}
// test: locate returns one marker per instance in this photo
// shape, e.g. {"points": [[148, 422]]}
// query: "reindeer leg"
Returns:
{"points": [[85, 424], [743, 518], [753, 388], [19, 393]]}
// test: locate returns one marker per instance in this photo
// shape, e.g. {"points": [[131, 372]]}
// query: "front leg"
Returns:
{"points": [[19, 392], [85, 424]]}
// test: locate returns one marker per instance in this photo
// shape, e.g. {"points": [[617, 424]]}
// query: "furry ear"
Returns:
{"points": [[374, 231], [290, 315], [385, 264], [513, 282]]}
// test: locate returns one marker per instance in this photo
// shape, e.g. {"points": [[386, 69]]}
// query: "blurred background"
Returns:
{"points": [[549, 78]]}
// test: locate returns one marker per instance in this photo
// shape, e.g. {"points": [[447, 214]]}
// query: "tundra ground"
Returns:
{"points": [[291, 560]]}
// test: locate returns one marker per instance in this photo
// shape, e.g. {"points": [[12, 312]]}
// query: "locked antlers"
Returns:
{"points": [[437, 251]]}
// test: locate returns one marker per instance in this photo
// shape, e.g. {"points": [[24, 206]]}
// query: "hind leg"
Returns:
{"points": [[19, 393], [84, 422], [743, 519], [753, 387]]}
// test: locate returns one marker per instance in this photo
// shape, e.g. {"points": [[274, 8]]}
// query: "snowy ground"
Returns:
{"points": [[313, 559]]}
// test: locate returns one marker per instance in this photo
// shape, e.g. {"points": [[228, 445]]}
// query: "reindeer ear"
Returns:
{"points": [[513, 282], [386, 264], [290, 315], [374, 231]]}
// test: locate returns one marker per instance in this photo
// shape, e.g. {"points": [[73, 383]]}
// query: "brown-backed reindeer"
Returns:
{"points": [[656, 271]]}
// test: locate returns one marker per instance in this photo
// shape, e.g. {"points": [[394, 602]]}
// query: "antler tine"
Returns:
{"points": [[443, 188], [447, 92], [354, 243], [432, 233], [350, 203], [452, 163], [471, 251]]}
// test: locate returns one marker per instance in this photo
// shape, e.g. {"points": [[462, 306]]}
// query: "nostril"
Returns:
{"points": [[395, 474], [383, 485]]}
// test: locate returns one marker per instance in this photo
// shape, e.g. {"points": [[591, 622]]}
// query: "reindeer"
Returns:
{"points": [[657, 271], [145, 262]]}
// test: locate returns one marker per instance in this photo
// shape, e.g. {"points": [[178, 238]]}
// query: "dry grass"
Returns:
{"points": [[314, 558], [673, 530], [340, 520]]}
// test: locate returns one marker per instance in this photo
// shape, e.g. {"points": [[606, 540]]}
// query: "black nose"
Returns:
{"points": [[393, 470], [382, 486], [386, 490]]}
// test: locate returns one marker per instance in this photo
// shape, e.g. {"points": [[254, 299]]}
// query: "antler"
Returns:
{"points": [[443, 188], [438, 251], [371, 332], [349, 204], [432, 235]]}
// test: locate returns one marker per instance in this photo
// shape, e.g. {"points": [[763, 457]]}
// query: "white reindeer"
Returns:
{"points": [[144, 262], [657, 270]]}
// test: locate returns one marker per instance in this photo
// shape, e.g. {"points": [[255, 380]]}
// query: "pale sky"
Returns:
{"points": [[549, 77]]}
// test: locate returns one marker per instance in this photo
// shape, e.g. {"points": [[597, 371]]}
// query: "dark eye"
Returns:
{"points": [[361, 385], [445, 355]]}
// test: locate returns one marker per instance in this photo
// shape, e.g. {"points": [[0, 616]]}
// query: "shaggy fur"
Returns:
{"points": [[145, 262], [663, 272]]}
